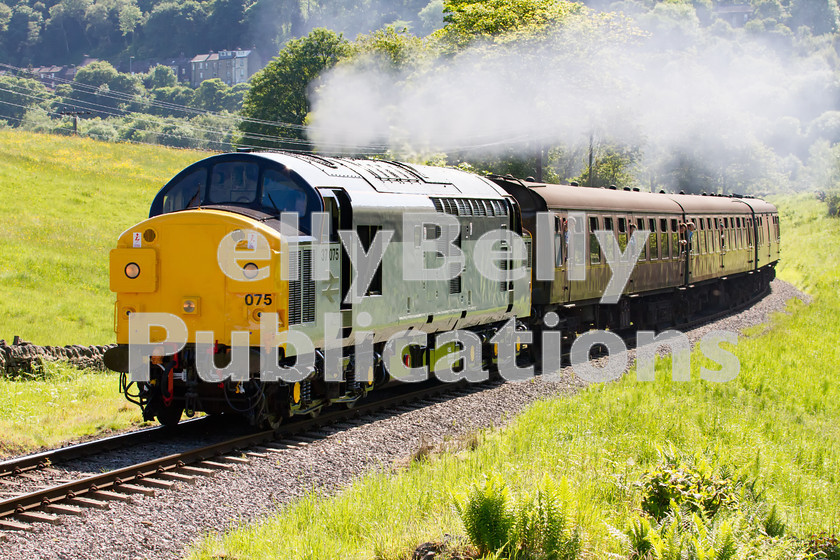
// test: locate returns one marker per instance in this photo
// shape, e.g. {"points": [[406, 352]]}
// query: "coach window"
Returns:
{"points": [[187, 193], [594, 252], [622, 234], [664, 251], [654, 246], [700, 235], [749, 232], [675, 239], [640, 225]]}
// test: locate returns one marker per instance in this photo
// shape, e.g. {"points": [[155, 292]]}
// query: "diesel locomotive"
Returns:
{"points": [[265, 261]]}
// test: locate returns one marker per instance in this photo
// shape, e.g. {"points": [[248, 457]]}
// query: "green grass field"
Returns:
{"points": [[777, 424], [62, 404], [63, 203]]}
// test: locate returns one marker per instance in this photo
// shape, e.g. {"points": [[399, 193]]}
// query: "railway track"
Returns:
{"points": [[36, 461], [98, 490]]}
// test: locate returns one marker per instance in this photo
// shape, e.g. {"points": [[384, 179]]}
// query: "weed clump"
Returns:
{"points": [[691, 510], [529, 525]]}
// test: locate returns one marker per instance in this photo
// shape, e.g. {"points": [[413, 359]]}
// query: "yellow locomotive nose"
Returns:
{"points": [[217, 271]]}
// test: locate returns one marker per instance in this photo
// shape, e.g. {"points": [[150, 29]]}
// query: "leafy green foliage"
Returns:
{"points": [[18, 95], [675, 483], [486, 514], [532, 526], [279, 91], [832, 200], [471, 20]]}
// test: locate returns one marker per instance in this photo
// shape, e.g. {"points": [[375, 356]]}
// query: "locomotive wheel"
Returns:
{"points": [[273, 421], [170, 415]]}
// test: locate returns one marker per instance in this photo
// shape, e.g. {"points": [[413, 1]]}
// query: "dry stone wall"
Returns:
{"points": [[25, 357]]}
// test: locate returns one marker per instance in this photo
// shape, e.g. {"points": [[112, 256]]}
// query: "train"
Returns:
{"points": [[275, 284]]}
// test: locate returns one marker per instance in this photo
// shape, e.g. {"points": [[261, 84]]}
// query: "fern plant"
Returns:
{"points": [[486, 514], [533, 527]]}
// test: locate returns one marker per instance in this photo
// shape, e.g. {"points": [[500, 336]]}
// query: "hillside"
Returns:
{"points": [[64, 202]]}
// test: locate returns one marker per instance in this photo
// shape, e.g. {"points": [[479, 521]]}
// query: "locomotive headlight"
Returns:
{"points": [[250, 270], [132, 270], [190, 306]]}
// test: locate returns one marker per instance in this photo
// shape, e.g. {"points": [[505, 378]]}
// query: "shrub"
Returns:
{"points": [[536, 526], [832, 199], [675, 483], [486, 514]]}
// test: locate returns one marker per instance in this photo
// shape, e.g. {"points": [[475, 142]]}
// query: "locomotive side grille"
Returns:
{"points": [[462, 207], [504, 284], [470, 206], [301, 289], [455, 269], [294, 292], [308, 299]]}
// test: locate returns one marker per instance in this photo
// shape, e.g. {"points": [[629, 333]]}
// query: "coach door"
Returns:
{"points": [[560, 285]]}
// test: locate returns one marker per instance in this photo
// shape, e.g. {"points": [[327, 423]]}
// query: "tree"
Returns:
{"points": [[175, 27], [210, 95], [18, 95], [226, 22], [390, 49], [159, 77], [100, 89], [818, 15], [471, 20], [279, 91], [24, 32], [174, 95]]}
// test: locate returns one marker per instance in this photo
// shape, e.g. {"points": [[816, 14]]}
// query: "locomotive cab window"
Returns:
{"points": [[233, 182], [187, 193], [281, 194]]}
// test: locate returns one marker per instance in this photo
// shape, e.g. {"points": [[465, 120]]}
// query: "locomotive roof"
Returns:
{"points": [[379, 176]]}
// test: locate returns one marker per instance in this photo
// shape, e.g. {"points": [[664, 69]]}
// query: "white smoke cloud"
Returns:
{"points": [[665, 89]]}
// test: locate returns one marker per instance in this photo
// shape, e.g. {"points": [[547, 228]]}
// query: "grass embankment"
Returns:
{"points": [[778, 423], [63, 203], [62, 404]]}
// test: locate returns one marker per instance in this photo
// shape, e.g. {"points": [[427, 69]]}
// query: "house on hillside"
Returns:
{"points": [[737, 15], [232, 67], [52, 76]]}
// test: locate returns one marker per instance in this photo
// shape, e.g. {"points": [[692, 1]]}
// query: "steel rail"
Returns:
{"points": [[17, 465], [112, 480]]}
